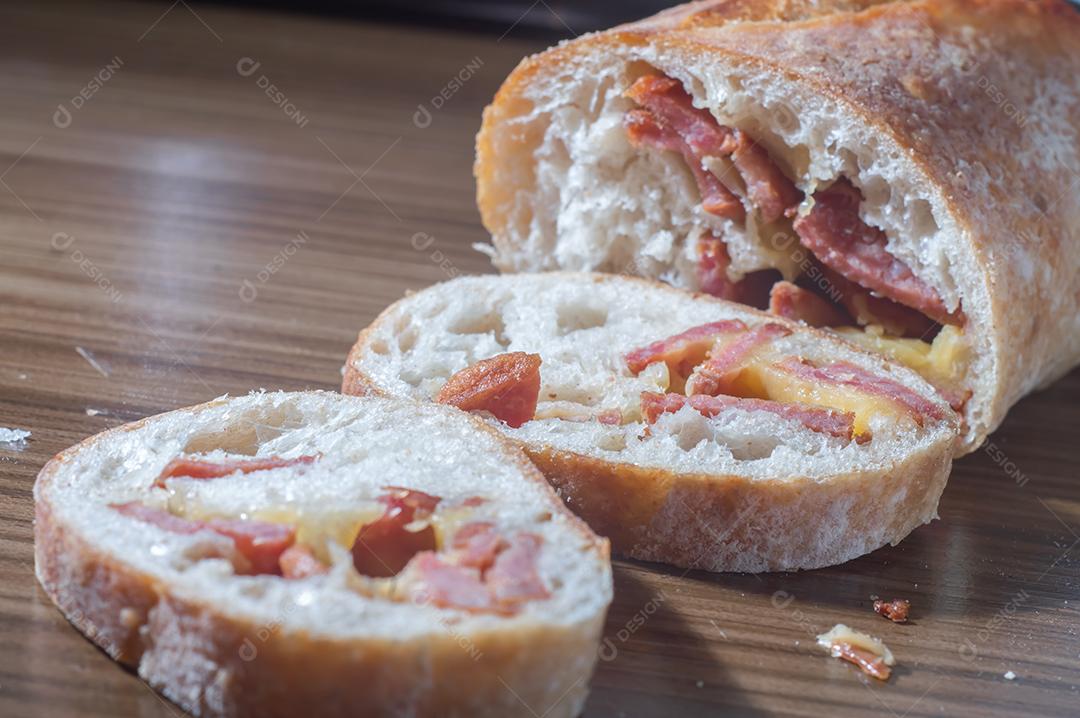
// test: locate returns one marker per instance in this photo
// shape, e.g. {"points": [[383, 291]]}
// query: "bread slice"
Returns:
{"points": [[205, 619], [952, 119], [750, 489]]}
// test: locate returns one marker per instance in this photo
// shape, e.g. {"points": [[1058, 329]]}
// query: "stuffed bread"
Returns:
{"points": [[907, 172]]}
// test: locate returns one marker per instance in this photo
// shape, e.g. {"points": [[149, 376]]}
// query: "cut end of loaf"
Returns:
{"points": [[562, 186]]}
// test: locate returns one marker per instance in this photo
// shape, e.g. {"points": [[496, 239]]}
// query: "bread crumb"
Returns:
{"points": [[895, 610], [868, 653], [94, 412], [13, 436], [700, 684], [1009, 675]]}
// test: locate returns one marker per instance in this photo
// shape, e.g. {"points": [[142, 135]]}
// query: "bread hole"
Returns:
{"points": [[240, 438], [611, 441], [245, 435], [576, 317], [556, 583], [850, 162], [599, 98], [543, 517], [638, 69], [753, 449], [689, 435], [489, 323], [407, 339], [411, 376], [622, 257], [379, 346], [744, 448], [696, 88], [921, 220], [876, 190], [868, 154], [797, 161]]}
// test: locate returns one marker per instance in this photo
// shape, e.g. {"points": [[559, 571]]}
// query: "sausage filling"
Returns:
{"points": [[405, 544], [851, 283]]}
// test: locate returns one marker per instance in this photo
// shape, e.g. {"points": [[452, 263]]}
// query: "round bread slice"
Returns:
{"points": [[285, 554], [687, 429]]}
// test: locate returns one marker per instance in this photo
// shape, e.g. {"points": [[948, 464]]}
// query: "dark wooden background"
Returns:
{"points": [[133, 230]]}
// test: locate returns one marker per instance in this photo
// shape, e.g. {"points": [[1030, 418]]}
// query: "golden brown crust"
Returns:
{"points": [[213, 662], [731, 523], [980, 95]]}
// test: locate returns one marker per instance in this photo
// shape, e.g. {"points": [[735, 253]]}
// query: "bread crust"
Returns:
{"points": [[213, 662], [726, 522], [999, 174]]}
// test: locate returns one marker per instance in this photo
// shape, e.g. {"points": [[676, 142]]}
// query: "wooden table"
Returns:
{"points": [[178, 233]]}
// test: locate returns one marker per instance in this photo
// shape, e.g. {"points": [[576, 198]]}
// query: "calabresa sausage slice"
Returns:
{"points": [[793, 302], [643, 130], [668, 120], [506, 385], [298, 561], [720, 371], [482, 572], [685, 350], [201, 469], [385, 546], [823, 421], [842, 241], [845, 374], [261, 543]]}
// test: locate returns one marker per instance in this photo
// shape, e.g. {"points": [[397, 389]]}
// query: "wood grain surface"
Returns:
{"points": [[170, 232]]}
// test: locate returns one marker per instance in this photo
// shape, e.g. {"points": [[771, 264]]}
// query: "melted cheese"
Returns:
{"points": [[942, 363], [315, 528], [772, 382]]}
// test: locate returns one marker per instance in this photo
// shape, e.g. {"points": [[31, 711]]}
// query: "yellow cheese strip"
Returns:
{"points": [[942, 363], [769, 381]]}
